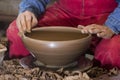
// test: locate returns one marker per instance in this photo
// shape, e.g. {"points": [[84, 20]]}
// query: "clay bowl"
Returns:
{"points": [[56, 46], [2, 51]]}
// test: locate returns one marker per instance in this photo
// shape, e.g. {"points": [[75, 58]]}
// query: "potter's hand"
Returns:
{"points": [[100, 30], [25, 21]]}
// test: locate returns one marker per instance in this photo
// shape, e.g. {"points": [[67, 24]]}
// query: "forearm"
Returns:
{"points": [[35, 6], [113, 21]]}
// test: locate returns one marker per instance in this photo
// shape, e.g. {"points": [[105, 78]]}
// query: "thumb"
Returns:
{"points": [[80, 26]]}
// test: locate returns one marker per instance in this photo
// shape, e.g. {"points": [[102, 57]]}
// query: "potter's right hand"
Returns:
{"points": [[25, 21]]}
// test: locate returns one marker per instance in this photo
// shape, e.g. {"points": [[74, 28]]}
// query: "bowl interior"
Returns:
{"points": [[57, 34]]}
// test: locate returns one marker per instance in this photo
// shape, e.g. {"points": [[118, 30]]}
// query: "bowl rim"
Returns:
{"points": [[54, 27]]}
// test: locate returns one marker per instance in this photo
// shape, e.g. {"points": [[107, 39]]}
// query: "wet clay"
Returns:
{"points": [[55, 35], [56, 46]]}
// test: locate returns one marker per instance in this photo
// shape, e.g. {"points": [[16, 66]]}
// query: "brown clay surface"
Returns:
{"points": [[56, 46], [55, 35]]}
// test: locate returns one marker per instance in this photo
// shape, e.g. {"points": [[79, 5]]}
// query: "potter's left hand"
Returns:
{"points": [[100, 30]]}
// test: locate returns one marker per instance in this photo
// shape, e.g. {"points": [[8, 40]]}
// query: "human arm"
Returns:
{"points": [[111, 26], [113, 21], [29, 10], [100, 30]]}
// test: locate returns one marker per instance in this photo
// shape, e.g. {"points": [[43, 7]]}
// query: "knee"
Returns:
{"points": [[108, 61], [12, 29], [108, 51]]}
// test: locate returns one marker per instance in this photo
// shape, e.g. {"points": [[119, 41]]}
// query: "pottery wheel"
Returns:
{"points": [[73, 64], [83, 64]]}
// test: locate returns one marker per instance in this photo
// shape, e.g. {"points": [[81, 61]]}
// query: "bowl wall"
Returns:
{"points": [[57, 52]]}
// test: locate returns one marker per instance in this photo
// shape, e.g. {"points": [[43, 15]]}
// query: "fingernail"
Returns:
{"points": [[29, 31], [98, 35]]}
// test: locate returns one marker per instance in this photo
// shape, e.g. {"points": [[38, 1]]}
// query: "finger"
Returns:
{"points": [[20, 33], [34, 20], [80, 26], [85, 31], [23, 23], [29, 23], [88, 29], [94, 30], [19, 25], [102, 35]]}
